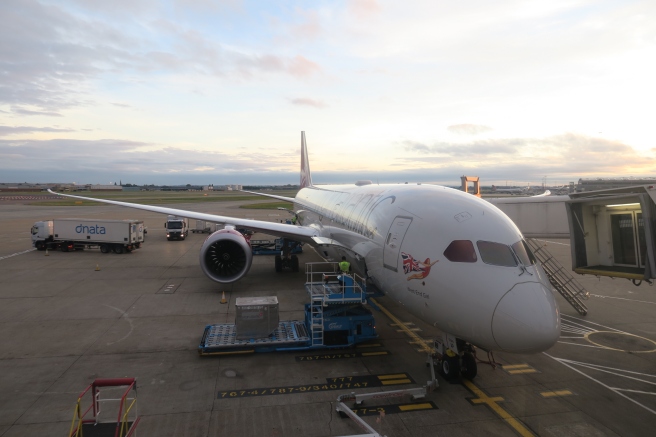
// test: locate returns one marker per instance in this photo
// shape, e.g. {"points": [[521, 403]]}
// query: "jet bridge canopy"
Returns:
{"points": [[612, 232]]}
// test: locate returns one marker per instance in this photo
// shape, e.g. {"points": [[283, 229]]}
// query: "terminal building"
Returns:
{"points": [[610, 183]]}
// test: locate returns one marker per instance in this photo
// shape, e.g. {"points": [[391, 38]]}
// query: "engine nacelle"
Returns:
{"points": [[226, 256]]}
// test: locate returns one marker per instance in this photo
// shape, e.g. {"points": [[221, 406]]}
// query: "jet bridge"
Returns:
{"points": [[611, 232]]}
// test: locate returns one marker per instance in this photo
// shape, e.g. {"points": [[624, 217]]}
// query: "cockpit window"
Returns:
{"points": [[496, 254], [461, 251], [524, 253]]}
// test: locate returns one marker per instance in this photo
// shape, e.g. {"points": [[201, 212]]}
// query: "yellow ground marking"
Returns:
{"points": [[368, 345], [515, 366], [411, 334], [492, 403], [503, 414], [369, 354], [551, 394], [517, 369], [413, 407], [396, 381], [394, 376]]}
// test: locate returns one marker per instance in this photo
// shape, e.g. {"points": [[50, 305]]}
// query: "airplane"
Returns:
{"points": [[453, 260], [515, 190]]}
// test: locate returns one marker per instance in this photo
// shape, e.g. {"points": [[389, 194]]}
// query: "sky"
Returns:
{"points": [[218, 92]]}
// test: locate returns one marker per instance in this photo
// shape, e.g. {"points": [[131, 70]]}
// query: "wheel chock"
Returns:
{"points": [[223, 298], [97, 267], [47, 254]]}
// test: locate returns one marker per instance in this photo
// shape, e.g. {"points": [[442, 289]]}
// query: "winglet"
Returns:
{"points": [[306, 176]]}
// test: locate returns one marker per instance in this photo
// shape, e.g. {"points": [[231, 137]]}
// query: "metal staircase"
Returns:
{"points": [[317, 321], [559, 277]]}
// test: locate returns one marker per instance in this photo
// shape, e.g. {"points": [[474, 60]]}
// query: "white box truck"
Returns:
{"points": [[177, 228], [118, 236]]}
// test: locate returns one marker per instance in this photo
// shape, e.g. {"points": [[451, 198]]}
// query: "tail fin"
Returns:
{"points": [[306, 176]]}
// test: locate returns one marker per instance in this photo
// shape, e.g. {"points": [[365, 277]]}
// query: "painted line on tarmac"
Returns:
{"points": [[337, 356], [621, 298], [17, 253], [618, 372], [338, 383], [556, 393], [517, 369], [483, 399], [394, 409], [424, 347], [518, 426]]}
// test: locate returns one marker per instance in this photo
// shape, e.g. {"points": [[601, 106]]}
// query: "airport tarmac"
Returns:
{"points": [[64, 324]]}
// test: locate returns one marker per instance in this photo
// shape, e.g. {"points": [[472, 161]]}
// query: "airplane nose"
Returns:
{"points": [[526, 319]]}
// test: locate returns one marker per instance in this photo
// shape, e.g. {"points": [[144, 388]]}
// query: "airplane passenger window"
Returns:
{"points": [[461, 251], [496, 254], [524, 253]]}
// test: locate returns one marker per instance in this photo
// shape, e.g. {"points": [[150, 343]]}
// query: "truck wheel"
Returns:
{"points": [[278, 264], [104, 248], [118, 249], [40, 245], [64, 247]]}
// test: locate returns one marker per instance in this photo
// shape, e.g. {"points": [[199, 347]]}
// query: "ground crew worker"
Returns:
{"points": [[344, 266], [294, 219]]}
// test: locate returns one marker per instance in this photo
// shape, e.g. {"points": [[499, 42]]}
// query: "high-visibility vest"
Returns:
{"points": [[344, 266]]}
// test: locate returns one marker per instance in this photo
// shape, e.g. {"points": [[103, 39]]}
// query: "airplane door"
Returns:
{"points": [[393, 242]]}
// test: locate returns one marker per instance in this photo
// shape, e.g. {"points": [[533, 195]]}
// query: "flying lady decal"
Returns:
{"points": [[418, 269]]}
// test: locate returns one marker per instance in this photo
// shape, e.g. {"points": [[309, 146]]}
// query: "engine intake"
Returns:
{"points": [[226, 256]]}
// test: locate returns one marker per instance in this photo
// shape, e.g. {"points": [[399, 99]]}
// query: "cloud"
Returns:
{"points": [[363, 9], [468, 129], [53, 56], [136, 159], [563, 155], [308, 102], [15, 130]]}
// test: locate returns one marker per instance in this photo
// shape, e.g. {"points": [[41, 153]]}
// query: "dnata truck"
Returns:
{"points": [[78, 234], [177, 228]]}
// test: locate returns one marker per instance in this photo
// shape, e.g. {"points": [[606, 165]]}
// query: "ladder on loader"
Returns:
{"points": [[122, 417], [562, 281]]}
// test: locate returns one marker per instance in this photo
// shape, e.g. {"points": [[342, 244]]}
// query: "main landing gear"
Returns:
{"points": [[454, 358]]}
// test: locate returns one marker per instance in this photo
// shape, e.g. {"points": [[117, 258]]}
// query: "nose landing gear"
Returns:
{"points": [[455, 358]]}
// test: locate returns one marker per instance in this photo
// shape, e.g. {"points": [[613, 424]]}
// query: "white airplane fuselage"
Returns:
{"points": [[494, 307]]}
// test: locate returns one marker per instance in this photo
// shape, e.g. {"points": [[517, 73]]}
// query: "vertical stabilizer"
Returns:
{"points": [[306, 177]]}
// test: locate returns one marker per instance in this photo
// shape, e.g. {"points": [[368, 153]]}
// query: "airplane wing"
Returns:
{"points": [[273, 196], [298, 233]]}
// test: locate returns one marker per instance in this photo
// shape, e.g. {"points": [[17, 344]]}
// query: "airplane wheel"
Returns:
{"points": [[104, 248], [451, 368], [278, 264], [294, 263], [469, 368]]}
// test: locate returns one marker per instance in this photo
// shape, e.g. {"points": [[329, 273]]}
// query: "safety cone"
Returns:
{"points": [[97, 267], [47, 254], [223, 299]]}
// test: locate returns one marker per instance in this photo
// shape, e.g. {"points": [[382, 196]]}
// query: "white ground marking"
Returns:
{"points": [[617, 390], [125, 316], [17, 253]]}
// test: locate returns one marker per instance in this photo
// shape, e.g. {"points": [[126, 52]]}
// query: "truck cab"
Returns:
{"points": [[177, 228], [41, 234]]}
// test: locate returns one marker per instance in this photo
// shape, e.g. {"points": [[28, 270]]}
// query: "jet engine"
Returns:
{"points": [[226, 256]]}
